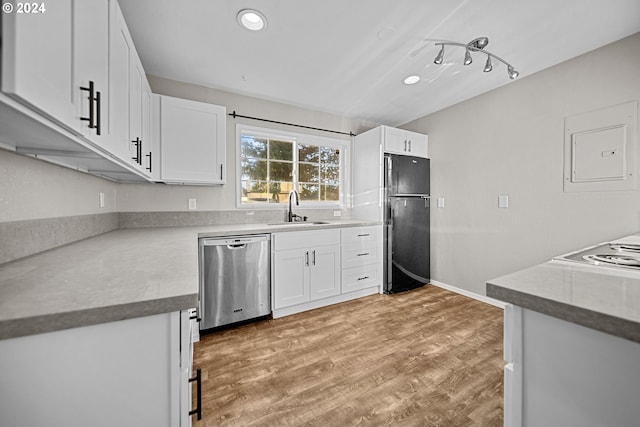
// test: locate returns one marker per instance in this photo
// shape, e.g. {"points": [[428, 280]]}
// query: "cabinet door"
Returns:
{"points": [[193, 139], [291, 277], [417, 144], [324, 272], [91, 65], [147, 143], [140, 116], [395, 141], [111, 374], [120, 54], [37, 59]]}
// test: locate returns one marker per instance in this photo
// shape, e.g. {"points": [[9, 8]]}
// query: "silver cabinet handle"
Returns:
{"points": [[363, 254], [405, 145], [306, 258], [409, 145], [363, 278], [314, 257]]}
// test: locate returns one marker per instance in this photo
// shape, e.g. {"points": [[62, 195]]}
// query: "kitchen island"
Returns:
{"points": [[572, 345]]}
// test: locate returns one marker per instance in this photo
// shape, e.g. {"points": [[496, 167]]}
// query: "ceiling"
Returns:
{"points": [[349, 57]]}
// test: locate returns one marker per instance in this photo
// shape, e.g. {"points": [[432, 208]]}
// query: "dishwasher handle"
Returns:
{"points": [[234, 242]]}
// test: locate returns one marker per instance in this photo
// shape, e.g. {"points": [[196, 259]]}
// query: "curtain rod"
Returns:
{"points": [[234, 115]]}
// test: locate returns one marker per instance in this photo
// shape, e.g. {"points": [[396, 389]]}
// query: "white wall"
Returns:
{"points": [[143, 197], [510, 141], [33, 189]]}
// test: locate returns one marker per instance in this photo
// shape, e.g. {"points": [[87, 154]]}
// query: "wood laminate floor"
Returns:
{"points": [[426, 357]]}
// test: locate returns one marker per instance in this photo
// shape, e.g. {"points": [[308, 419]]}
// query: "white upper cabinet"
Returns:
{"points": [[91, 65], [399, 141], [130, 97], [140, 117], [121, 52], [37, 56], [192, 141]]}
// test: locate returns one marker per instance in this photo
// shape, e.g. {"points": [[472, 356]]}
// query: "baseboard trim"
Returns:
{"points": [[483, 298]]}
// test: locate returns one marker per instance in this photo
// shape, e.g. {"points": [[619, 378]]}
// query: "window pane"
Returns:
{"points": [[308, 172], [308, 191], [330, 173], [254, 169], [330, 193], [280, 150], [254, 191], [279, 191], [308, 153], [330, 155], [280, 171], [253, 147]]}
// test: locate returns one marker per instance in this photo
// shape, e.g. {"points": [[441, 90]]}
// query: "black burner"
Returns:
{"points": [[616, 259]]}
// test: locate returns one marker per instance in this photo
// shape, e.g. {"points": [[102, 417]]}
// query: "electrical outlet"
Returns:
{"points": [[337, 213], [193, 204], [503, 201], [101, 199], [441, 202]]}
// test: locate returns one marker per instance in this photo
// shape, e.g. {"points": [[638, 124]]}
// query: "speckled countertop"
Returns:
{"points": [[114, 276], [603, 299]]}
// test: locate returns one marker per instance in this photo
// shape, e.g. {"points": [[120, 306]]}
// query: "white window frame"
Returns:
{"points": [[299, 138]]}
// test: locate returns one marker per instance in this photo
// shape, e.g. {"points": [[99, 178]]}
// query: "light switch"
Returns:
{"points": [[441, 202], [503, 201], [192, 204]]}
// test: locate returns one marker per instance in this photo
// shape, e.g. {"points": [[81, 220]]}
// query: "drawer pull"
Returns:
{"points": [[364, 235], [364, 254], [363, 278], [198, 380]]}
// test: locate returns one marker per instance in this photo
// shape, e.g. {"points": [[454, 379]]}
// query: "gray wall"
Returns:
{"points": [[33, 189], [142, 197], [510, 141]]}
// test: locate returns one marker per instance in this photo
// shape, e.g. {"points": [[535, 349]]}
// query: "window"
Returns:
{"points": [[272, 163]]}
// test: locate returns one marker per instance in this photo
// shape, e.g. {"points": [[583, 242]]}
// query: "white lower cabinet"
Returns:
{"points": [[361, 258], [558, 373], [125, 373], [305, 266], [315, 268]]}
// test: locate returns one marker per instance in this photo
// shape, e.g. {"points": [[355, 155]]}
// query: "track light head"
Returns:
{"points": [[440, 56], [467, 58], [512, 72], [488, 66]]}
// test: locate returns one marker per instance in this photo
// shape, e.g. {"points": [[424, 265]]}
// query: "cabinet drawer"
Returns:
{"points": [[353, 256], [358, 236], [305, 239], [361, 277]]}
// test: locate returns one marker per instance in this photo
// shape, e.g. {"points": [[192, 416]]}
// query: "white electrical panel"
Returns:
{"points": [[600, 149]]}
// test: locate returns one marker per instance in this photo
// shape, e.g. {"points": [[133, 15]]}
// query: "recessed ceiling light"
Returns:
{"points": [[411, 80], [252, 20]]}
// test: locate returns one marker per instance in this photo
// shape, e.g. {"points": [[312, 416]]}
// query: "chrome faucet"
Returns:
{"points": [[290, 215]]}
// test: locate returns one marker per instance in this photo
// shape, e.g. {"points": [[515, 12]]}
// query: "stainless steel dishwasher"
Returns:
{"points": [[235, 279]]}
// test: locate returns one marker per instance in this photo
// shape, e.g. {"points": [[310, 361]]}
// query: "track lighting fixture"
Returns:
{"points": [[476, 45]]}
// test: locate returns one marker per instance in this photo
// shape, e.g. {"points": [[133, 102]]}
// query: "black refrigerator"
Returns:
{"points": [[406, 221]]}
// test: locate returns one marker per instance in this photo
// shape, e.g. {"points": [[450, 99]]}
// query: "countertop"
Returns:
{"points": [[599, 298], [118, 275]]}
